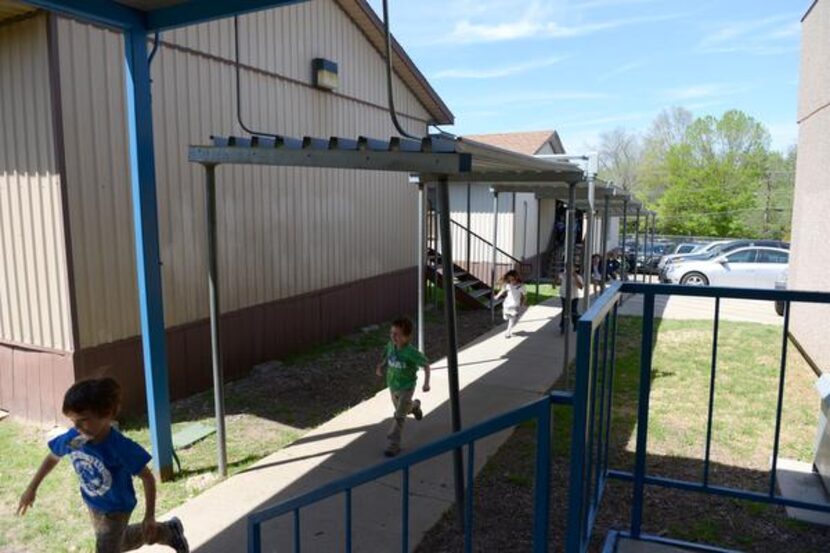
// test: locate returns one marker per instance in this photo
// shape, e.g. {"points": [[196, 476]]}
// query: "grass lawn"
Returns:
{"points": [[267, 410], [746, 391], [58, 521]]}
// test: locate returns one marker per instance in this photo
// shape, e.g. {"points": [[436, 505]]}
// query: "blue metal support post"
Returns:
{"points": [[148, 259]]}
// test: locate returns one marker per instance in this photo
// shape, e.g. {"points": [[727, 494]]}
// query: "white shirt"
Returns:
{"points": [[514, 293], [563, 279]]}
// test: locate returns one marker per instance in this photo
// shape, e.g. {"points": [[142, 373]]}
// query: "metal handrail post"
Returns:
{"points": [[636, 242], [421, 262], [642, 416], [469, 227], [588, 246], [452, 338], [494, 248], [538, 247], [604, 252], [623, 261], [215, 316], [570, 243]]}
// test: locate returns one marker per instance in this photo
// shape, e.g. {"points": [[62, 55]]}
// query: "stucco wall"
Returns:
{"points": [[811, 208]]}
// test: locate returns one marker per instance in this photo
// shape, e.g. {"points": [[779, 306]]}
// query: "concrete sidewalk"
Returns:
{"points": [[692, 308], [496, 374]]}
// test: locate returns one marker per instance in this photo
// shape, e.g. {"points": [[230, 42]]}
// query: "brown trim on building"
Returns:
{"points": [[805, 355], [60, 160], [253, 335], [809, 10], [20, 18], [32, 383]]}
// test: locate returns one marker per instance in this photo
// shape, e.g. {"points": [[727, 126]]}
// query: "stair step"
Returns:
{"points": [[479, 293], [466, 284]]}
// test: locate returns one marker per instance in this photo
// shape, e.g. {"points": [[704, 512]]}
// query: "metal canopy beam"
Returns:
{"points": [[530, 179], [102, 12], [405, 162], [120, 16]]}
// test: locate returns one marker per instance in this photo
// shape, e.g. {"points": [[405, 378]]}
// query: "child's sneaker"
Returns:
{"points": [[177, 539], [416, 410], [392, 450]]}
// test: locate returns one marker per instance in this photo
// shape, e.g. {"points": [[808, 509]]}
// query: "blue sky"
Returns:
{"points": [[586, 66]]}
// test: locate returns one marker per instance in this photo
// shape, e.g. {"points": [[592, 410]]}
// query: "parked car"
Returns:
{"points": [[649, 258], [753, 267], [721, 247], [781, 284], [702, 252], [686, 247]]}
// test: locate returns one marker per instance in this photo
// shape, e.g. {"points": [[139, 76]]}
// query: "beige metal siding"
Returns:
{"points": [[34, 297], [285, 40], [808, 260], [481, 221], [283, 232]]}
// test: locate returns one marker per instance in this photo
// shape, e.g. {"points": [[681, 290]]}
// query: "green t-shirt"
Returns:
{"points": [[402, 366]]}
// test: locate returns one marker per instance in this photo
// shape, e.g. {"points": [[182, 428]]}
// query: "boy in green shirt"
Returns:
{"points": [[402, 362]]}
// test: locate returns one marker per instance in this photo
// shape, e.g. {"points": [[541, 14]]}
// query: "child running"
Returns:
{"points": [[516, 298], [402, 362], [106, 462]]}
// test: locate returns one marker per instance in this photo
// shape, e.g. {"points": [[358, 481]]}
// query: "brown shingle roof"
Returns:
{"points": [[528, 143]]}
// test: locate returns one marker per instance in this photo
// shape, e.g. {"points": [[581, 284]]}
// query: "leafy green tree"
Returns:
{"points": [[667, 129], [713, 176]]}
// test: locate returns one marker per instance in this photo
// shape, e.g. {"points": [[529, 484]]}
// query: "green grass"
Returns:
{"points": [[546, 292], [58, 522]]}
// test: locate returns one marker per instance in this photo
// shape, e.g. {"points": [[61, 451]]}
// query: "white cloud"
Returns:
{"points": [[536, 22], [513, 99], [496, 72], [702, 91], [620, 70], [777, 34]]}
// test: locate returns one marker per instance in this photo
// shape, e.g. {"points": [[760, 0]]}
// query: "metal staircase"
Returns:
{"points": [[470, 291], [473, 264]]}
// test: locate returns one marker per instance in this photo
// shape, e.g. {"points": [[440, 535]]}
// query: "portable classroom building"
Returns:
{"points": [[305, 254], [518, 212]]}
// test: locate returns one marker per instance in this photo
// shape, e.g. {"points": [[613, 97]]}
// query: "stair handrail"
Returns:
{"points": [[499, 250]]}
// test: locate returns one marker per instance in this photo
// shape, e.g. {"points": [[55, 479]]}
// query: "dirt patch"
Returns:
{"points": [[309, 389]]}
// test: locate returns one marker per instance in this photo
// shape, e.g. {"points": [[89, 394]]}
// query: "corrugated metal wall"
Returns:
{"points": [[283, 232], [34, 297], [481, 220]]}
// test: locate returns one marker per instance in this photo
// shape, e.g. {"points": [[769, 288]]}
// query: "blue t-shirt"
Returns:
{"points": [[105, 469]]}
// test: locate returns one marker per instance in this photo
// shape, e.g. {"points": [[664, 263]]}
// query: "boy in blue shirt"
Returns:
{"points": [[106, 462]]}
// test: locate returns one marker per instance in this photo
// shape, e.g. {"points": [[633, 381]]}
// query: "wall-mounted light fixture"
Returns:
{"points": [[325, 73]]}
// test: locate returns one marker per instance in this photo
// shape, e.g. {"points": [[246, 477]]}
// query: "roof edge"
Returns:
{"points": [[809, 10], [443, 116]]}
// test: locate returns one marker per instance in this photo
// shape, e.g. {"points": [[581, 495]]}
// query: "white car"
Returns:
{"points": [[699, 249], [753, 267]]}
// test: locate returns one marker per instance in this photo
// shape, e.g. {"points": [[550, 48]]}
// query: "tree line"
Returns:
{"points": [[704, 176]]}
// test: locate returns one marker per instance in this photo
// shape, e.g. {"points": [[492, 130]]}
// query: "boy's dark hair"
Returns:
{"points": [[102, 396], [404, 324]]}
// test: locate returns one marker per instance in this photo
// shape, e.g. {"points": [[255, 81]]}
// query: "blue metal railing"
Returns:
{"points": [[592, 404], [604, 313], [539, 411]]}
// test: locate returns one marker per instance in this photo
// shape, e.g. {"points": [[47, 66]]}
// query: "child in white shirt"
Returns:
{"points": [[515, 296]]}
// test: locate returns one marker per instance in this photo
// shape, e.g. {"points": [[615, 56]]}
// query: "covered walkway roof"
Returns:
{"points": [[154, 15], [433, 157]]}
